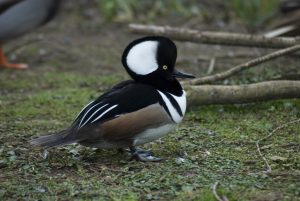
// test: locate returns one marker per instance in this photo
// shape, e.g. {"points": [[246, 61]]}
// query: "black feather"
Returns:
{"points": [[52, 140]]}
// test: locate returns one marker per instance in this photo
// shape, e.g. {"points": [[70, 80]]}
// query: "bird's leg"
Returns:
{"points": [[143, 155], [4, 63]]}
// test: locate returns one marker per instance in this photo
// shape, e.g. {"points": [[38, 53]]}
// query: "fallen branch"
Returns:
{"points": [[269, 169], [208, 37], [244, 66], [263, 91], [214, 190]]}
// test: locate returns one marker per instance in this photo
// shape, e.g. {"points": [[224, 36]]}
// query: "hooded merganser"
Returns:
{"points": [[18, 17], [287, 21], [135, 111]]}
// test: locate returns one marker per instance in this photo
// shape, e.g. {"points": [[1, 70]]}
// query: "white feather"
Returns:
{"points": [[141, 58], [93, 115], [106, 111], [80, 124], [181, 100], [84, 109], [153, 134]]}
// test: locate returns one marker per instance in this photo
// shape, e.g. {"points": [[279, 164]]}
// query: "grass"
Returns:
{"points": [[214, 143], [254, 11], [251, 13], [118, 10]]}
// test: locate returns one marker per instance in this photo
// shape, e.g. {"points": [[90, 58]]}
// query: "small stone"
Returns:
{"points": [[278, 159], [180, 160]]}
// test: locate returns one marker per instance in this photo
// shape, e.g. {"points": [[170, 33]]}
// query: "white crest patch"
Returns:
{"points": [[141, 58]]}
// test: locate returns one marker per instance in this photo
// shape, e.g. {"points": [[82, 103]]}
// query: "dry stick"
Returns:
{"points": [[214, 189], [223, 38], [232, 94], [269, 169], [57, 46], [211, 65], [244, 66], [26, 43]]}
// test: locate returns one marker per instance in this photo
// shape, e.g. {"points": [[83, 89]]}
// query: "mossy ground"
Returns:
{"points": [[214, 143]]}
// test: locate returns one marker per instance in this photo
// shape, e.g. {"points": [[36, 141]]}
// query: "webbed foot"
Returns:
{"points": [[143, 155]]}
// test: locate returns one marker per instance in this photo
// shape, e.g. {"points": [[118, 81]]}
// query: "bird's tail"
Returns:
{"points": [[52, 140]]}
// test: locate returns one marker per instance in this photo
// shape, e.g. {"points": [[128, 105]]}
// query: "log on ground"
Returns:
{"points": [[236, 94]]}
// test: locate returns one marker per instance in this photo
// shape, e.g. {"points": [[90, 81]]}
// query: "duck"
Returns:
{"points": [[133, 112], [18, 17], [287, 22]]}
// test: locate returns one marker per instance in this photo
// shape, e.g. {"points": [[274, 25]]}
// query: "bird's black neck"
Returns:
{"points": [[172, 86]]}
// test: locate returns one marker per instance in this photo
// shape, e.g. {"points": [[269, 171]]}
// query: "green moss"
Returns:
{"points": [[214, 143], [253, 11]]}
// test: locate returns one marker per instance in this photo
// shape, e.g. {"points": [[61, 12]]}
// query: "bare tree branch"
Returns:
{"points": [[223, 38], [244, 66], [269, 169], [262, 91]]}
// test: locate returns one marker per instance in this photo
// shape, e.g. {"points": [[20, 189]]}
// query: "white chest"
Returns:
{"points": [[153, 134]]}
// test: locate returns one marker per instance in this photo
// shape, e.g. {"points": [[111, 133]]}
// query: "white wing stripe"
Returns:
{"points": [[106, 111], [87, 113], [84, 109], [85, 122]]}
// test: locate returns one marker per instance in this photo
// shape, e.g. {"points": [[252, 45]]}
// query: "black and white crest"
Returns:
{"points": [[149, 54]]}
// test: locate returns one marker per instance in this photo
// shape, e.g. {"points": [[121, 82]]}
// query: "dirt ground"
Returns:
{"points": [[76, 58]]}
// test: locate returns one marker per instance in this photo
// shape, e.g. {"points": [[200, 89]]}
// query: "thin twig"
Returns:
{"points": [[238, 39], [214, 189], [269, 169], [244, 66], [203, 57], [236, 130], [211, 65]]}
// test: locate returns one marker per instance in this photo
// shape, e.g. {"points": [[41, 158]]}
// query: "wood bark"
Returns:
{"points": [[235, 94], [208, 37]]}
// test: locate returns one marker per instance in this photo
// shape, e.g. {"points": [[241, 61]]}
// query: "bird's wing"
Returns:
{"points": [[5, 4], [121, 113], [125, 97]]}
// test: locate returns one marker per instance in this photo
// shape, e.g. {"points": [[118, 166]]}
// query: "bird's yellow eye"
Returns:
{"points": [[165, 67]]}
